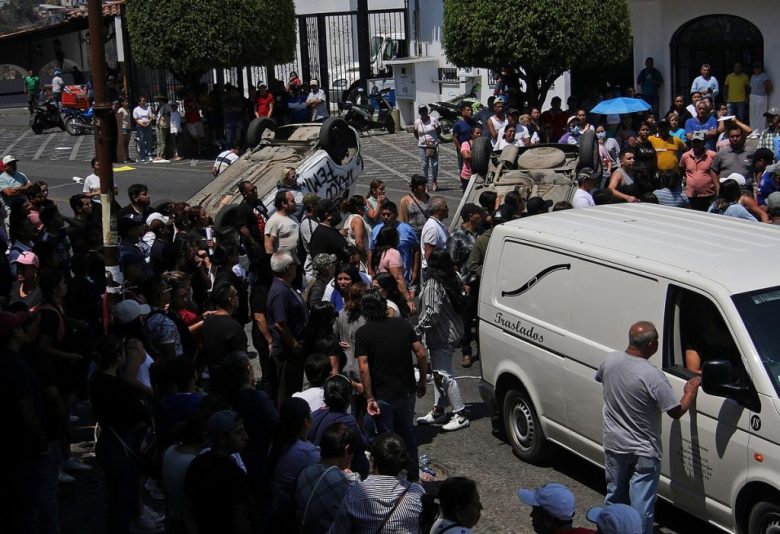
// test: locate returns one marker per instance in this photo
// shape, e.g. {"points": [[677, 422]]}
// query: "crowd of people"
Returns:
{"points": [[325, 295]]}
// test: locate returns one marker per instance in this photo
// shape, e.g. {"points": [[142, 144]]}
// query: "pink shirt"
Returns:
{"points": [[391, 258], [699, 178], [465, 172]]}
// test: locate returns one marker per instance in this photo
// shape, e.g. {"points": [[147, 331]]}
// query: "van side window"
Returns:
{"points": [[697, 333]]}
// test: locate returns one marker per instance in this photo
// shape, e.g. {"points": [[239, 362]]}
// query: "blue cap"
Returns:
{"points": [[615, 519], [555, 499]]}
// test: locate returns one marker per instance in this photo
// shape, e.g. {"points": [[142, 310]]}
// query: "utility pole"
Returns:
{"points": [[101, 123]]}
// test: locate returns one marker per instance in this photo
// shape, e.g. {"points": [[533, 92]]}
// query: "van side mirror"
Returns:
{"points": [[717, 380]]}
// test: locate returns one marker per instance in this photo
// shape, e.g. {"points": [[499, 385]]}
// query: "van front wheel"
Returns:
{"points": [[764, 518], [523, 429]]}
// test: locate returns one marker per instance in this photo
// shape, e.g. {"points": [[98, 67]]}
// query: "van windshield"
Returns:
{"points": [[760, 311]]}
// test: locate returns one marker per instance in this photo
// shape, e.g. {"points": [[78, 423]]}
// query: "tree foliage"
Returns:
{"points": [[190, 37], [539, 39]]}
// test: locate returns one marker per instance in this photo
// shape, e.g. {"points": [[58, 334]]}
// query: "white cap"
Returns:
{"points": [[9, 159], [736, 177], [156, 217], [129, 310]]}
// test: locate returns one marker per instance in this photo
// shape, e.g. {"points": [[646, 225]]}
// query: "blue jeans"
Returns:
{"points": [[633, 480], [397, 415], [426, 161], [740, 109], [144, 142], [123, 476], [48, 511], [446, 388]]}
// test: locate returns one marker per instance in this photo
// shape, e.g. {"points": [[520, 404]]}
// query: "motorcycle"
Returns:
{"points": [[449, 111], [46, 115], [77, 122], [360, 112]]}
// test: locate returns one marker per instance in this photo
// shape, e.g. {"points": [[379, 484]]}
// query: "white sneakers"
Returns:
{"points": [[458, 420], [432, 418]]}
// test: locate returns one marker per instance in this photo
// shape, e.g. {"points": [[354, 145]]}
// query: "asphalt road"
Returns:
{"points": [[474, 452]]}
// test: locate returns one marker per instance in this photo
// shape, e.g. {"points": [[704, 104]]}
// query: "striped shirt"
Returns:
{"points": [[367, 504], [319, 493], [225, 159], [666, 197]]}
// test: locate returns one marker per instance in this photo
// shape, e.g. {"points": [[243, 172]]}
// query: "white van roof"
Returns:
{"points": [[739, 255]]}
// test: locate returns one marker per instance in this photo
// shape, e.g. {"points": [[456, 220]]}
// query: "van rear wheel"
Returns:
{"points": [[523, 429], [764, 518]]}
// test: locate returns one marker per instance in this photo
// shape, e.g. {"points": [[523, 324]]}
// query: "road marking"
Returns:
{"points": [[75, 152], [193, 162], [43, 147], [18, 139]]}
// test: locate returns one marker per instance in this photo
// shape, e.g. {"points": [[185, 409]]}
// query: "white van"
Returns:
{"points": [[559, 292]]}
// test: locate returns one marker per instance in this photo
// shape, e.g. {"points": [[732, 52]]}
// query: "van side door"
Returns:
{"points": [[705, 451]]}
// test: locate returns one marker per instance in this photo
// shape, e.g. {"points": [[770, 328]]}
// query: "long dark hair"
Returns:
{"points": [[349, 269], [388, 282], [352, 304], [728, 194], [386, 239], [441, 268]]}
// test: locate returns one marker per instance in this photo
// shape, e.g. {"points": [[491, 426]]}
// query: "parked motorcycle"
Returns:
{"points": [[76, 121], [449, 111], [360, 112], [46, 115]]}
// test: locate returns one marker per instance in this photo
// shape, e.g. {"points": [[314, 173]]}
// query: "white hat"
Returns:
{"points": [[129, 310], [736, 177], [156, 217], [9, 159]]}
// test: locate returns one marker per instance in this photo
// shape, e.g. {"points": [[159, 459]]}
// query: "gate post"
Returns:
{"points": [[364, 42], [322, 45], [303, 39]]}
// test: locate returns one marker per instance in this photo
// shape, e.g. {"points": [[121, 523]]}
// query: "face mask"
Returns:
{"points": [[601, 135]]}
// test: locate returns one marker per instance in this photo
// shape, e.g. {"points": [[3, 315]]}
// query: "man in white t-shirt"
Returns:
{"points": [[57, 85], [92, 182], [434, 233], [281, 229], [317, 102], [587, 179]]}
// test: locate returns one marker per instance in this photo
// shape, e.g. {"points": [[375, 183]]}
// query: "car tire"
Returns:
{"points": [[764, 518], [481, 152], [522, 427], [445, 134], [256, 128], [70, 127], [589, 152], [333, 138]]}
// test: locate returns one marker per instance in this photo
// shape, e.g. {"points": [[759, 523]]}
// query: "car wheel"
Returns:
{"points": [[334, 136], [256, 128], [481, 151], [764, 518], [390, 124], [523, 429], [70, 127], [445, 135], [589, 152]]}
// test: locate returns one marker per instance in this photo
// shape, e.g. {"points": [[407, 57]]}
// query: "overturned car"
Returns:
{"points": [[547, 170], [317, 158]]}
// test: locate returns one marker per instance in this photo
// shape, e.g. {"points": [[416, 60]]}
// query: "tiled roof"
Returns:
{"points": [[111, 8]]}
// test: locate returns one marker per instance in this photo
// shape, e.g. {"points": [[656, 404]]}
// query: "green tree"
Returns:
{"points": [[538, 39], [190, 37]]}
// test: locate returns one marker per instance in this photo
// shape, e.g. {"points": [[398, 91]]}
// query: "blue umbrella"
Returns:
{"points": [[615, 106]]}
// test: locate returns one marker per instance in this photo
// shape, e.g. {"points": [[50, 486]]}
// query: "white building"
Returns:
{"points": [[681, 36]]}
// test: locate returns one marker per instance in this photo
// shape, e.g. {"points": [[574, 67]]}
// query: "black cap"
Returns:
{"points": [[537, 205]]}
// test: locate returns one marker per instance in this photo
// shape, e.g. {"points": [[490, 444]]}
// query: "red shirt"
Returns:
{"points": [[699, 177], [191, 111], [263, 104]]}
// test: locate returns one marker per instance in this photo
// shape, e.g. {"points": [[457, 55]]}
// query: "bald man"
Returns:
{"points": [[636, 393]]}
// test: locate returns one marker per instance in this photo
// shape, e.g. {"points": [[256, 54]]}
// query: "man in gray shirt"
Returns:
{"points": [[635, 395], [736, 158]]}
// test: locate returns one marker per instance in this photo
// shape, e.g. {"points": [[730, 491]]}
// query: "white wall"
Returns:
{"points": [[655, 22], [305, 7]]}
